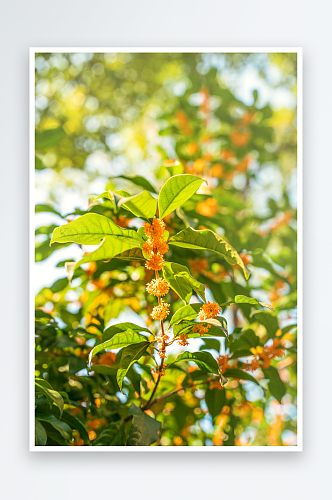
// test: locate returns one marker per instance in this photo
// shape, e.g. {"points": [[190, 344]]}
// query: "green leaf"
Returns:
{"points": [[129, 355], [122, 327], [113, 435], [204, 360], [239, 374], [43, 387], [242, 299], [142, 205], [182, 282], [113, 246], [60, 426], [40, 434], [186, 312], [144, 430], [46, 208], [138, 181], [267, 319], [72, 421], [215, 400], [276, 385], [185, 327], [206, 239], [122, 339], [90, 229], [176, 191], [49, 138]]}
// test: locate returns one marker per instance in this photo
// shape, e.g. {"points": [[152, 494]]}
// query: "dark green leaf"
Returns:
{"points": [[215, 400], [60, 426], [144, 430], [129, 355], [276, 385], [40, 434], [239, 374]]}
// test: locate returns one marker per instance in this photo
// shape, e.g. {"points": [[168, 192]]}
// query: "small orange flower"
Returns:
{"points": [[209, 310], [148, 247], [156, 229], [158, 287], [161, 311], [201, 329], [208, 207], [240, 139], [192, 148], [223, 363], [199, 165], [183, 339], [160, 246], [198, 265], [217, 171], [155, 262]]}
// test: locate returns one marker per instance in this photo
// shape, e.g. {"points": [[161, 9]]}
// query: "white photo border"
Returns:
{"points": [[201, 50]]}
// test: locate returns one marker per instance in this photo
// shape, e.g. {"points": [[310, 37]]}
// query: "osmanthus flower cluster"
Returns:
{"points": [[170, 321]]}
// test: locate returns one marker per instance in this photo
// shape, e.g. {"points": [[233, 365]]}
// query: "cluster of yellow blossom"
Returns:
{"points": [[162, 339], [201, 329], [155, 247], [183, 339], [223, 363], [158, 287], [209, 310], [161, 311], [268, 352]]}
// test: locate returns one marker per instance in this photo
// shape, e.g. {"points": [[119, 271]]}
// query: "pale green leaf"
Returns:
{"points": [[186, 312], [206, 239], [176, 191], [142, 205], [90, 229]]}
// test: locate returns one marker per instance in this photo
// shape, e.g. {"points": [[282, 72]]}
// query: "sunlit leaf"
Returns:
{"points": [[90, 229], [142, 205], [206, 239], [176, 191]]}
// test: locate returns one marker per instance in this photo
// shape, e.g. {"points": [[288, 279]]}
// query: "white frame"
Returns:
{"points": [[299, 52]]}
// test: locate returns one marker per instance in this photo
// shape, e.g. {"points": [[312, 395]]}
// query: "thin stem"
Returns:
{"points": [[171, 393], [148, 404]]}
